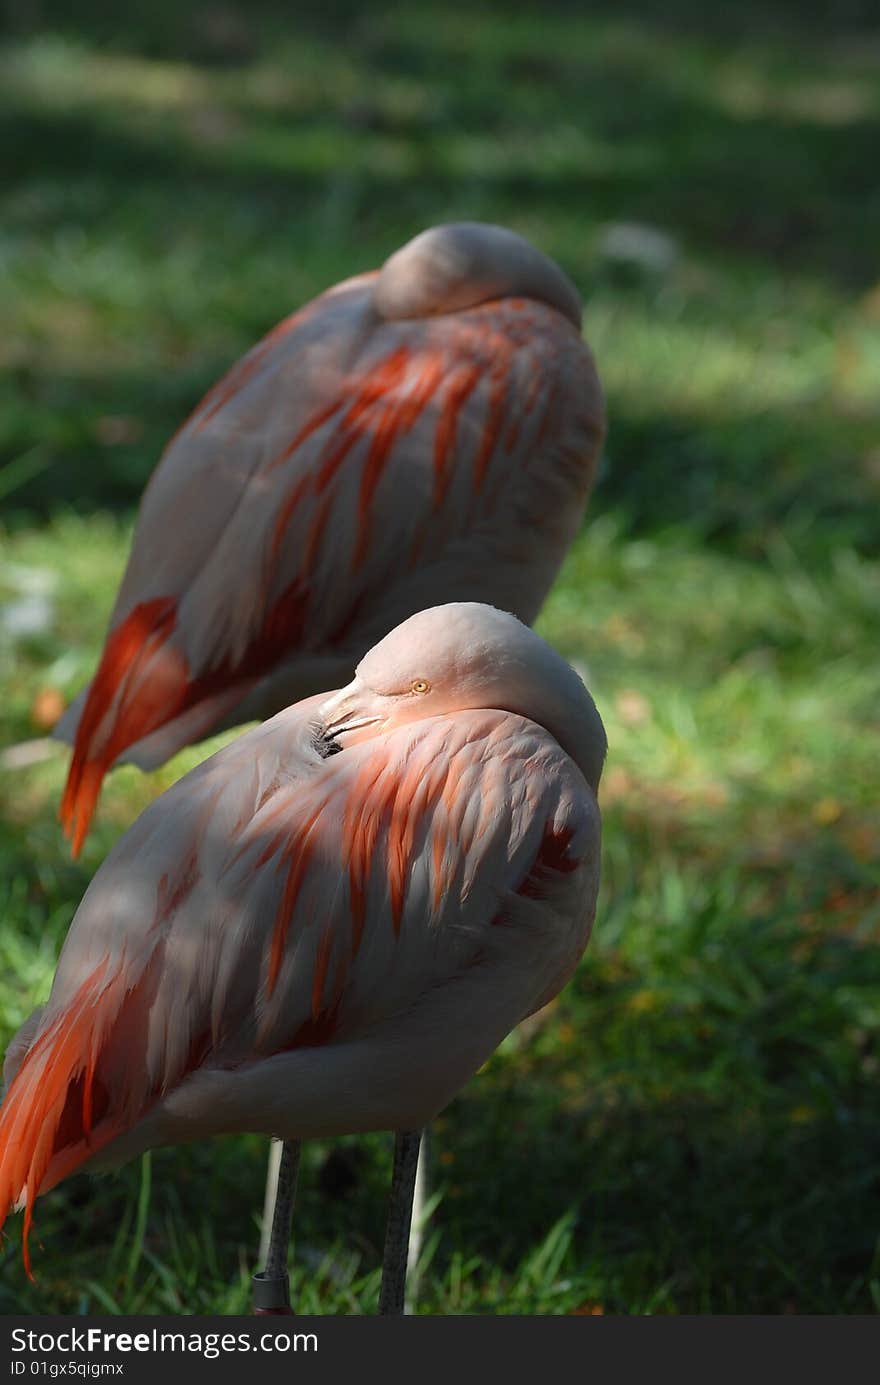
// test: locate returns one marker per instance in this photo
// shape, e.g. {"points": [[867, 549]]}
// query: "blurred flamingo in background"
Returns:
{"points": [[330, 924], [421, 434]]}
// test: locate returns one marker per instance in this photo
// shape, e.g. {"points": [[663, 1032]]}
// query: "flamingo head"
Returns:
{"points": [[466, 656]]}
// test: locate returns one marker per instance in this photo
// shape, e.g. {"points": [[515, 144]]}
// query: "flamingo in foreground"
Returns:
{"points": [[330, 924], [425, 433]]}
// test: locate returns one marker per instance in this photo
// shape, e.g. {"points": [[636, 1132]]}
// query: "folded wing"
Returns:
{"points": [[275, 899], [346, 473]]}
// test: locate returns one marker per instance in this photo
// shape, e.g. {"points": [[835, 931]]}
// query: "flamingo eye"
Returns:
{"points": [[420, 685]]}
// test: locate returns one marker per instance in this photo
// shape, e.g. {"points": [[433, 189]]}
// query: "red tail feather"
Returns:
{"points": [[136, 659], [46, 1119], [144, 683]]}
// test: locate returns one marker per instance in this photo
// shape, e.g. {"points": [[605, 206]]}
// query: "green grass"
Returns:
{"points": [[695, 1126]]}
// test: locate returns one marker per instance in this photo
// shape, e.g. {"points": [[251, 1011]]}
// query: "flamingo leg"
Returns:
{"points": [[271, 1285], [272, 1166], [397, 1231], [419, 1221]]}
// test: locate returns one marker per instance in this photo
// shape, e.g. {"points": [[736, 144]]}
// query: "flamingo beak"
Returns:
{"points": [[347, 710]]}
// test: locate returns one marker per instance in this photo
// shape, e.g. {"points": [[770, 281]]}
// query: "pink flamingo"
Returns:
{"points": [[426, 433], [330, 924]]}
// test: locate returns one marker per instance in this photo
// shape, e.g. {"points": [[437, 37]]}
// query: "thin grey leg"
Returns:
{"points": [[271, 1285], [417, 1230], [403, 1178], [272, 1167]]}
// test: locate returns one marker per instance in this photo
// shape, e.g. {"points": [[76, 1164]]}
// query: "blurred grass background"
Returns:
{"points": [[695, 1126]]}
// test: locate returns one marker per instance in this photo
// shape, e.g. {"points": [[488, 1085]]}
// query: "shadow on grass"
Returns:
{"points": [[787, 190], [209, 31]]}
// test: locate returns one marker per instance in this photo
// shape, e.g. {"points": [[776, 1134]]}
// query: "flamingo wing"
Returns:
{"points": [[275, 900], [346, 473]]}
